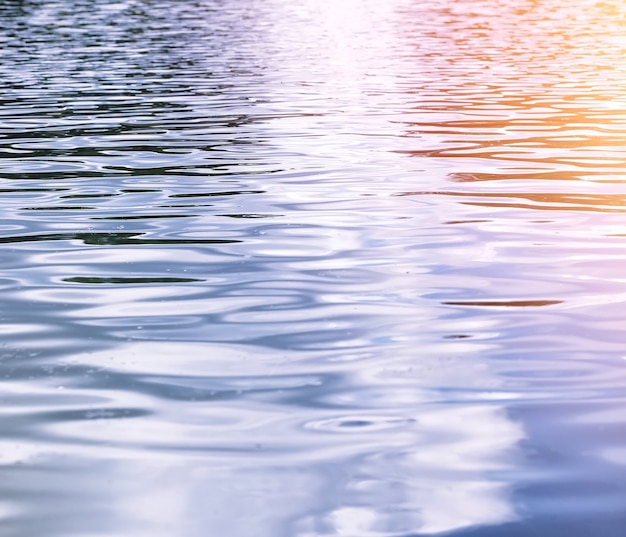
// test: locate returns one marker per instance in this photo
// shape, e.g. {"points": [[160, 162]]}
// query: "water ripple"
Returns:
{"points": [[312, 269]]}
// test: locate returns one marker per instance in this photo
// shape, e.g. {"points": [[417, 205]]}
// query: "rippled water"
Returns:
{"points": [[312, 269]]}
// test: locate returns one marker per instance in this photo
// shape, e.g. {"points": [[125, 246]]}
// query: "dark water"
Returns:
{"points": [[313, 269]]}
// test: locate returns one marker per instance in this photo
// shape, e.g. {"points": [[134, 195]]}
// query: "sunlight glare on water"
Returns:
{"points": [[312, 269]]}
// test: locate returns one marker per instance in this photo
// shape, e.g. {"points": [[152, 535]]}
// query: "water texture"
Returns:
{"points": [[312, 269]]}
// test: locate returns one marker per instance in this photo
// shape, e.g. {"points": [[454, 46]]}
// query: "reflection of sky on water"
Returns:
{"points": [[333, 307], [328, 453], [366, 443]]}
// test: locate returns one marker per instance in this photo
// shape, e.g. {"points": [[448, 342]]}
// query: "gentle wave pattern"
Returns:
{"points": [[312, 269]]}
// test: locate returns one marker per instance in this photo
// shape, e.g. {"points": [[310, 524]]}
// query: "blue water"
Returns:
{"points": [[312, 269]]}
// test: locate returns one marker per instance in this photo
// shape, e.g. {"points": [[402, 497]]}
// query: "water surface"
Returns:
{"points": [[312, 269]]}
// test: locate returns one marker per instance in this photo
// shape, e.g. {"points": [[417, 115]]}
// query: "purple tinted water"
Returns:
{"points": [[312, 269]]}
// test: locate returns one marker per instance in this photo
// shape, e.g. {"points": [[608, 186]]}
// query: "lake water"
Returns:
{"points": [[311, 269]]}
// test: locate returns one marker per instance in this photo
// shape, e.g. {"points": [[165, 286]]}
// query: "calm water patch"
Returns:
{"points": [[312, 268]]}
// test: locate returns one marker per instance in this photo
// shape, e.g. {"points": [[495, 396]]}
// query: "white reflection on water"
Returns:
{"points": [[448, 474], [431, 488], [382, 456]]}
